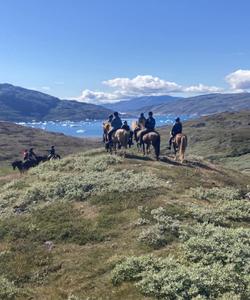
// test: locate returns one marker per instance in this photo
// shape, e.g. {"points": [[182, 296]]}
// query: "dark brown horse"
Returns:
{"points": [[152, 138]]}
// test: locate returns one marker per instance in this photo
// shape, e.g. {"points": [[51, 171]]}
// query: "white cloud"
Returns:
{"points": [[96, 97], [201, 88], [239, 80], [141, 85]]}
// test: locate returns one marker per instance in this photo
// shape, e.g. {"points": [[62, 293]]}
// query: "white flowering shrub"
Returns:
{"points": [[171, 279], [162, 229], [7, 289], [222, 193], [223, 212], [208, 244], [93, 175]]}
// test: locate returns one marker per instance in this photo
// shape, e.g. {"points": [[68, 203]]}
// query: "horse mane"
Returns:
{"points": [[106, 126], [134, 125]]}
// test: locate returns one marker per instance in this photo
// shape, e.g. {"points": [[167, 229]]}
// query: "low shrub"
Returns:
{"points": [[7, 289], [210, 244], [162, 230], [222, 193], [171, 279], [223, 212]]}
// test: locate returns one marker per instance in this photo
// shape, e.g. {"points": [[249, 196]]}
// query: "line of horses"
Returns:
{"points": [[23, 166], [121, 137]]}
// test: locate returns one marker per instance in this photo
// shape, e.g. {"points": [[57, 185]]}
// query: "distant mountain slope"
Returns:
{"points": [[139, 103], [20, 104], [15, 138], [206, 104]]}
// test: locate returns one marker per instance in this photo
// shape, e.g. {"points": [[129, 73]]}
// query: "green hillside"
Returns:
{"points": [[97, 226], [96, 213]]}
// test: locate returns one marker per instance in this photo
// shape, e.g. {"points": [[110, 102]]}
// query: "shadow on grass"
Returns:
{"points": [[140, 157], [189, 164]]}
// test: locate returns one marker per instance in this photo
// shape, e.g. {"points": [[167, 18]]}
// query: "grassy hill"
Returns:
{"points": [[18, 104], [83, 227], [96, 226]]}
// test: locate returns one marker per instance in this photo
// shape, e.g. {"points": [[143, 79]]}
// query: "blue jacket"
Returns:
{"points": [[177, 128], [116, 123], [150, 123]]}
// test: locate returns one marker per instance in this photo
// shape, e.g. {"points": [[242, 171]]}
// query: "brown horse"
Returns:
{"points": [[152, 138], [180, 145], [120, 138]]}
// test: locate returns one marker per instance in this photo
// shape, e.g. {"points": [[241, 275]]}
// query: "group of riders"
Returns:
{"points": [[30, 154], [144, 125]]}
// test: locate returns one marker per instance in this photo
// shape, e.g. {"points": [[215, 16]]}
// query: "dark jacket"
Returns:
{"points": [[177, 128], [150, 123], [116, 123], [126, 127], [52, 151]]}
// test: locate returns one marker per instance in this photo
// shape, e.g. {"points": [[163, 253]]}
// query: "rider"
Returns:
{"points": [[110, 118], [127, 128], [141, 121], [52, 152], [31, 155], [116, 124], [149, 126], [25, 154], [177, 128]]}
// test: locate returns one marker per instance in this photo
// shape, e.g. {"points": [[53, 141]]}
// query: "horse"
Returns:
{"points": [[24, 166], [151, 138], [55, 156], [180, 145], [120, 138]]}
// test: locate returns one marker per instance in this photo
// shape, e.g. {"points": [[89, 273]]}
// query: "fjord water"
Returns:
{"points": [[89, 128]]}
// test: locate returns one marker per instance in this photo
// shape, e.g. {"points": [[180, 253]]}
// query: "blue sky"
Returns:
{"points": [[112, 49]]}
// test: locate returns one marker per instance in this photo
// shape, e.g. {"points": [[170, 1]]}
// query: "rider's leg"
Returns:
{"points": [[142, 133], [170, 142]]}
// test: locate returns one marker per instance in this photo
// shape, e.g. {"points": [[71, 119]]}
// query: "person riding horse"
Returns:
{"points": [[176, 129], [149, 126], [25, 154], [116, 124], [32, 155], [126, 127], [52, 152], [105, 133]]}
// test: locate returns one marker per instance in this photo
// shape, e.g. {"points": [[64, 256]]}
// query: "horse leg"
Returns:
{"points": [[143, 149], [148, 148]]}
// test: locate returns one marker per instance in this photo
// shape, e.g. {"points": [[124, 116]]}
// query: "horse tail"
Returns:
{"points": [[183, 146], [157, 144]]}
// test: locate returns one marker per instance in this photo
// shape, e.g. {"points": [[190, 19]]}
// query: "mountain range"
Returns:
{"points": [[198, 105], [140, 103], [20, 104]]}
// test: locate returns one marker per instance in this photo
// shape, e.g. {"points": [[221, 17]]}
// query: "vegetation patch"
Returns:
{"points": [[162, 229], [222, 193], [58, 222]]}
